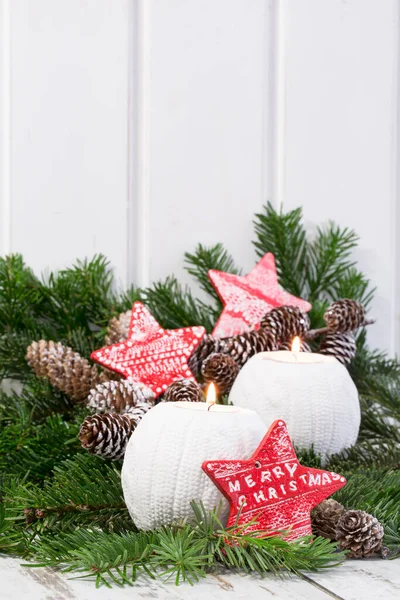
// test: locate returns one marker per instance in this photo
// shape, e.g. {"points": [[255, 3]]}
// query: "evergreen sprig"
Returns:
{"points": [[183, 552], [62, 507]]}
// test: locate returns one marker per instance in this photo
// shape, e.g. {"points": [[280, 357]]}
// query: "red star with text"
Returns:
{"points": [[272, 492], [247, 299], [151, 355]]}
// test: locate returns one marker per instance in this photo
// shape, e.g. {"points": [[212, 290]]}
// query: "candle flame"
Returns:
{"points": [[211, 394], [296, 344]]}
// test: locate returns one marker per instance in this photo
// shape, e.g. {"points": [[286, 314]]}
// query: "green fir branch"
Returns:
{"points": [[182, 552], [206, 258], [174, 306], [284, 235], [330, 259]]}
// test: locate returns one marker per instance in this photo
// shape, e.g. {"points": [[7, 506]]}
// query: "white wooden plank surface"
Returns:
{"points": [[65, 149], [355, 580], [140, 127], [340, 135]]}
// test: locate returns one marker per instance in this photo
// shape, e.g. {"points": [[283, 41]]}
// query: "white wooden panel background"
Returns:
{"points": [[137, 128]]}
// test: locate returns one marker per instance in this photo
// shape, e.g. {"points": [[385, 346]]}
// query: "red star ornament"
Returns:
{"points": [[151, 355], [247, 299], [272, 491]]}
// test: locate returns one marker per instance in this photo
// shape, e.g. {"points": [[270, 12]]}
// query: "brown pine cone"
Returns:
{"points": [[325, 517], [340, 345], [119, 396], [244, 346], [107, 435], [285, 322], [360, 533], [65, 369], [183, 390], [344, 315], [208, 345], [220, 369], [304, 347], [118, 328]]}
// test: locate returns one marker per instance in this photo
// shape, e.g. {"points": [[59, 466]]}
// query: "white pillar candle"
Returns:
{"points": [[162, 471], [314, 394]]}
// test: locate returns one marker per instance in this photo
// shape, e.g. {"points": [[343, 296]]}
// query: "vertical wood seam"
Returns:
{"points": [[5, 127], [277, 105], [395, 337], [138, 260]]}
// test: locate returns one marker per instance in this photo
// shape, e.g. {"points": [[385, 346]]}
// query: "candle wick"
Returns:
{"points": [[210, 405]]}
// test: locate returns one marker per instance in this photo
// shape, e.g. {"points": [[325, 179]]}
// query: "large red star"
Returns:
{"points": [[247, 299], [272, 491], [151, 355]]}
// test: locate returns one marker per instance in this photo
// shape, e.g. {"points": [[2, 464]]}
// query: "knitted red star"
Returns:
{"points": [[151, 355], [247, 299], [272, 489]]}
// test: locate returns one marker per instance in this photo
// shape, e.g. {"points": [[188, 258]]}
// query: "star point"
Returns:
{"points": [[151, 355], [248, 298], [271, 491]]}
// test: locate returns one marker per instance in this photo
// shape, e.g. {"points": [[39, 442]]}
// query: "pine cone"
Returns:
{"points": [[304, 347], [360, 533], [325, 517], [285, 322], [65, 369], [244, 346], [220, 369], [344, 315], [208, 345], [118, 328], [119, 396], [107, 435], [183, 390], [340, 345]]}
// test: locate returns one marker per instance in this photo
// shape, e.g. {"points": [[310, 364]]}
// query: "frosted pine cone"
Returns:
{"points": [[244, 346], [220, 369], [360, 533], [325, 517], [107, 435], [208, 345], [344, 315], [65, 369], [184, 390], [304, 347], [119, 396], [286, 322], [340, 345], [118, 328]]}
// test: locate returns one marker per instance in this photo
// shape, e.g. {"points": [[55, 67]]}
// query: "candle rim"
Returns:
{"points": [[319, 359]]}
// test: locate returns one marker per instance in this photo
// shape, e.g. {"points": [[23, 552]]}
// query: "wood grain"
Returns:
{"points": [[355, 580]]}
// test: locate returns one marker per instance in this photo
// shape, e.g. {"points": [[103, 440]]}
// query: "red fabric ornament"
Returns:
{"points": [[151, 355], [272, 491], [247, 299]]}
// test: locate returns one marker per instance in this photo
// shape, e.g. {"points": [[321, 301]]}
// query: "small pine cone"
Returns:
{"points": [[208, 345], [65, 369], [325, 517], [243, 346], [286, 322], [360, 533], [221, 369], [119, 396], [118, 328], [340, 345], [344, 315], [107, 435], [304, 347], [184, 390]]}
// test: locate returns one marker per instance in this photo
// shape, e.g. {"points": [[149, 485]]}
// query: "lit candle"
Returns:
{"points": [[162, 471], [313, 393]]}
